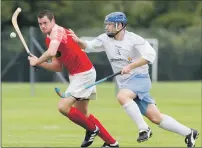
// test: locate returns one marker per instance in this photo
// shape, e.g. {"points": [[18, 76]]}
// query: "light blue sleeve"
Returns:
{"points": [[96, 45]]}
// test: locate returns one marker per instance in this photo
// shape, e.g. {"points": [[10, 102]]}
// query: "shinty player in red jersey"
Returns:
{"points": [[64, 51]]}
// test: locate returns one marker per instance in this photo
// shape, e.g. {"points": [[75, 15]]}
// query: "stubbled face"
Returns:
{"points": [[45, 24], [110, 27]]}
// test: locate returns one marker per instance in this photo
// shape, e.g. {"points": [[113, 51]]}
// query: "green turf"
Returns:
{"points": [[34, 121]]}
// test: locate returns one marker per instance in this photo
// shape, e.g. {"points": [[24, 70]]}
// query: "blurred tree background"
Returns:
{"points": [[176, 24]]}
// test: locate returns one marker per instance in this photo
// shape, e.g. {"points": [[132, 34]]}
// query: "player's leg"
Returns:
{"points": [[82, 105], [125, 98], [76, 116], [77, 82], [104, 134], [134, 87], [168, 123]]}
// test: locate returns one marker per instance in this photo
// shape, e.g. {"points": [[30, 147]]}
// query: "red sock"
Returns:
{"points": [[103, 132], [79, 118]]}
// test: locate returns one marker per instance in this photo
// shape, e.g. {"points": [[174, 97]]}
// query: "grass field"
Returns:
{"points": [[34, 121]]}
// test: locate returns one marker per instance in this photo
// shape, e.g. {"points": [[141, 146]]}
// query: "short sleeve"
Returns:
{"points": [[144, 48], [57, 34]]}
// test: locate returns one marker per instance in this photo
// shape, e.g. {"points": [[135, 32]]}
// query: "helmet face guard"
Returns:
{"points": [[115, 18], [114, 29]]}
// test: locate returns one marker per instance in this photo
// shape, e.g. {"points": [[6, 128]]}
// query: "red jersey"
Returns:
{"points": [[69, 53]]}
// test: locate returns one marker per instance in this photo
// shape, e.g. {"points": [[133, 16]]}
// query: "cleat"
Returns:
{"points": [[90, 136], [116, 144], [191, 138], [144, 135]]}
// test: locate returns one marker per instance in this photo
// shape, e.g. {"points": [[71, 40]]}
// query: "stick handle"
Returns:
{"points": [[36, 68], [104, 79], [63, 95], [17, 29]]}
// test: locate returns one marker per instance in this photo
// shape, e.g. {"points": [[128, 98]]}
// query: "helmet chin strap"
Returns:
{"points": [[112, 35]]}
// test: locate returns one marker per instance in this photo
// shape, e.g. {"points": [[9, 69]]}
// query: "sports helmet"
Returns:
{"points": [[116, 17]]}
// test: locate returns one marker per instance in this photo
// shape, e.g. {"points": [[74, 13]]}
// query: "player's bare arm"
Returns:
{"points": [[81, 43], [140, 62], [51, 52], [54, 66]]}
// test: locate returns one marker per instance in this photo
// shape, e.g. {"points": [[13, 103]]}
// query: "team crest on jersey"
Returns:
{"points": [[58, 54], [129, 59]]}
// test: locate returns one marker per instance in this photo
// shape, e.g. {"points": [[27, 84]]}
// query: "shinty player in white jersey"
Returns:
{"points": [[131, 53]]}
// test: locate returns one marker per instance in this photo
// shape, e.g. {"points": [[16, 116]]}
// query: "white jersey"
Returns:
{"points": [[124, 52]]}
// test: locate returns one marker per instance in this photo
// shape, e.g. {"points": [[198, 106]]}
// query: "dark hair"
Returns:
{"points": [[47, 13]]}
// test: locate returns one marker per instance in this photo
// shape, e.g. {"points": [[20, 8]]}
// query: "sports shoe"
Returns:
{"points": [[144, 135], [90, 136], [116, 144], [191, 138]]}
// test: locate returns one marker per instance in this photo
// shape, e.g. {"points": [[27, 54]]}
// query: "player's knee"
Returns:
{"points": [[155, 119], [120, 97], [63, 108]]}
